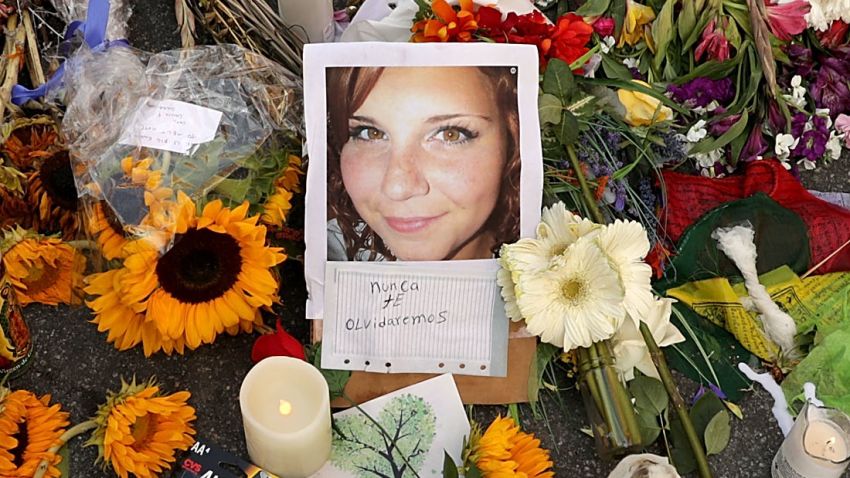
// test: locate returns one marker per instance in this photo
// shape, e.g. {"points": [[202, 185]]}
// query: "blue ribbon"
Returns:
{"points": [[94, 34]]}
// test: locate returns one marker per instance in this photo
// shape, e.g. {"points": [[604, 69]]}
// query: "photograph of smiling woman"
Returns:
{"points": [[423, 162]]}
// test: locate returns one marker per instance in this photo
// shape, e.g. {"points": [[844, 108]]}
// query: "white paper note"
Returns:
{"points": [[384, 317], [426, 420], [171, 125]]}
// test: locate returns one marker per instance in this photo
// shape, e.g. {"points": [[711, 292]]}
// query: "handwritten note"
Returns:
{"points": [[171, 125], [382, 317]]}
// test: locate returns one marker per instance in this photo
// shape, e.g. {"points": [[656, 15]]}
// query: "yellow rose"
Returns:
{"points": [[638, 22], [643, 109]]}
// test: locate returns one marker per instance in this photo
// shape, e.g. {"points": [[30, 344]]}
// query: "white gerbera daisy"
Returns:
{"points": [[629, 347], [625, 243], [506, 282], [575, 303], [558, 230]]}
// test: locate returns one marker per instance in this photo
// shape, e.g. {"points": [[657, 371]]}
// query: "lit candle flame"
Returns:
{"points": [[285, 408]]}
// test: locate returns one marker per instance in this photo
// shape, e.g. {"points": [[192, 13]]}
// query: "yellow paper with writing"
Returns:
{"points": [[817, 302]]}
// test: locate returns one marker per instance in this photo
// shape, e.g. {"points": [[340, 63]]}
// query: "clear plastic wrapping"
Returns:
{"points": [[119, 14], [133, 125]]}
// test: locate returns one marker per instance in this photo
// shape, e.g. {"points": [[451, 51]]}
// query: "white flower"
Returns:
{"points": [[833, 146], [506, 282], [697, 132], [629, 347], [709, 159], [784, 144], [625, 243], [807, 164], [558, 230], [606, 44], [577, 302], [823, 12], [592, 65], [798, 93], [645, 465], [631, 62], [708, 108]]}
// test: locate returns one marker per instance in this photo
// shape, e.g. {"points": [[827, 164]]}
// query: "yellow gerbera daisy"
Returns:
{"points": [[29, 428], [140, 430], [278, 205], [215, 278], [52, 193], [504, 451], [41, 269]]}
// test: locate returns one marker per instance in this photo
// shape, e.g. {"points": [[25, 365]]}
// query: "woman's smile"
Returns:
{"points": [[411, 224]]}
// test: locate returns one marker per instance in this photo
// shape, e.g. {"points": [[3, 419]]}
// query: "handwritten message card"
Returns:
{"points": [[383, 317], [171, 125]]}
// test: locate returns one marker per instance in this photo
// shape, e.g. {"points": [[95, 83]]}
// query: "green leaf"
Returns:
{"points": [[337, 379], [649, 428], [449, 467], [649, 394], [593, 8], [549, 108], [680, 452], [64, 465], [473, 472], [742, 18], [618, 13], [735, 131], [567, 130], [662, 31], [717, 433], [696, 32], [558, 80], [615, 69], [706, 408], [545, 353], [733, 35], [687, 19]]}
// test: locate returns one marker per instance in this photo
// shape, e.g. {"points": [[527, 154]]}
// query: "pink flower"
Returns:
{"points": [[787, 19], [604, 26], [842, 124], [714, 42]]}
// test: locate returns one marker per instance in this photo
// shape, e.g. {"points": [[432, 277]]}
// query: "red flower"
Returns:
{"points": [[714, 42], [835, 36], [604, 26], [490, 24], [570, 40], [279, 343], [787, 19]]}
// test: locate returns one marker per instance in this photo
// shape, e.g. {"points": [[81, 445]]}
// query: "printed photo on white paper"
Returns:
{"points": [[406, 433], [424, 156]]}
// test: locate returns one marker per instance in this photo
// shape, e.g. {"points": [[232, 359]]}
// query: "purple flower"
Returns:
{"points": [[755, 145], [722, 125], [802, 62], [798, 124], [830, 89], [702, 390], [700, 92], [812, 145], [673, 151], [775, 117]]}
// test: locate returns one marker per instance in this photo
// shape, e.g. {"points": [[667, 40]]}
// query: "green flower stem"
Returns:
{"points": [[654, 351], [678, 403], [77, 429]]}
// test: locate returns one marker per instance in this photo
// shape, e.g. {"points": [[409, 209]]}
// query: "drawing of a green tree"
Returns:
{"points": [[409, 427]]}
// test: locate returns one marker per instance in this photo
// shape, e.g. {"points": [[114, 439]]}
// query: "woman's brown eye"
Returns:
{"points": [[452, 135], [374, 133]]}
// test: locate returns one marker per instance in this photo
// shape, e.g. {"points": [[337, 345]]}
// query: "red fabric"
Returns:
{"points": [[689, 197]]}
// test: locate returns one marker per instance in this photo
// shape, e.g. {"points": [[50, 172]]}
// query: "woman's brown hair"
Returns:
{"points": [[347, 90]]}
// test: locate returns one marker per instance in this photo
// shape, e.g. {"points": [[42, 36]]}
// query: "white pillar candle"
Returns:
{"points": [[313, 18], [818, 445], [286, 414]]}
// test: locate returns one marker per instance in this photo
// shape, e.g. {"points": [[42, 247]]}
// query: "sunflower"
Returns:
{"points": [[215, 278], [139, 430], [29, 429], [577, 302], [278, 205], [504, 451], [29, 140], [52, 193], [107, 231], [41, 269]]}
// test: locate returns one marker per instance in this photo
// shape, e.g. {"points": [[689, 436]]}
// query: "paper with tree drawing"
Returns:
{"points": [[420, 424]]}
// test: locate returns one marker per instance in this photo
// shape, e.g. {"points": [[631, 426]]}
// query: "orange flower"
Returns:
{"points": [[449, 25]]}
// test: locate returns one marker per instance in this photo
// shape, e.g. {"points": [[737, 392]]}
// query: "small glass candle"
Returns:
{"points": [[286, 414], [818, 446]]}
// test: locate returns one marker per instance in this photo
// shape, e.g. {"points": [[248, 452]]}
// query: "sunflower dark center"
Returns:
{"points": [[201, 266], [22, 436], [58, 179]]}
